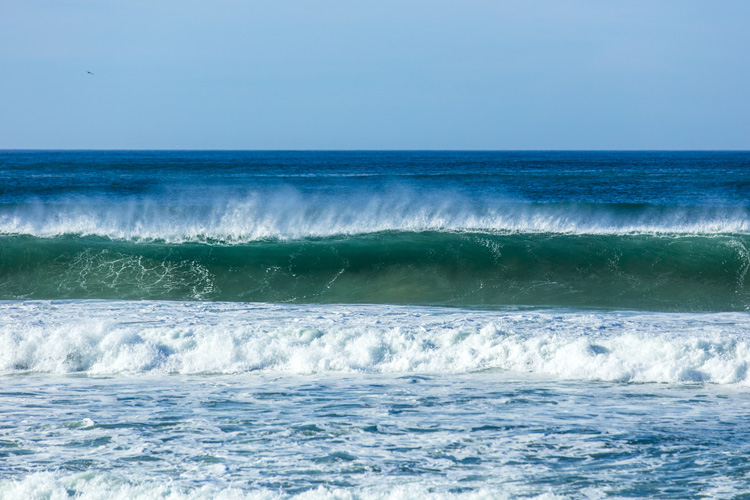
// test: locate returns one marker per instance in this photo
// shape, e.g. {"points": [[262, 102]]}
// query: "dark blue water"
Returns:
{"points": [[661, 178]]}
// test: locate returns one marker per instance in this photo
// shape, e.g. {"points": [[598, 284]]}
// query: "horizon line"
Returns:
{"points": [[207, 150]]}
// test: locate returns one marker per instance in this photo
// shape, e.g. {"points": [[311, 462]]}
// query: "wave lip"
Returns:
{"points": [[220, 338], [288, 215]]}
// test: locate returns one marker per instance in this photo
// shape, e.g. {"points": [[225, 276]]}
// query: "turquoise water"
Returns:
{"points": [[374, 325]]}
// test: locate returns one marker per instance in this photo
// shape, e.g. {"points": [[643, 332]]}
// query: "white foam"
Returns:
{"points": [[288, 214], [101, 486], [190, 338]]}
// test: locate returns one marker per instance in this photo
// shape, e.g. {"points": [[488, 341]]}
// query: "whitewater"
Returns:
{"points": [[374, 325], [110, 337]]}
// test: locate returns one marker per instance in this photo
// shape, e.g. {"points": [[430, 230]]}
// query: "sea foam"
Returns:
{"points": [[220, 338], [102, 486]]}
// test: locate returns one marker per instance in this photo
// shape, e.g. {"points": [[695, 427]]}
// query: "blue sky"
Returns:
{"points": [[329, 74]]}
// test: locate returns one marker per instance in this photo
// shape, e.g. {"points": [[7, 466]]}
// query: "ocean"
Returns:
{"points": [[374, 325]]}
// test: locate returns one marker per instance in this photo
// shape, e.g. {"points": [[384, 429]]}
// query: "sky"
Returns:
{"points": [[381, 74]]}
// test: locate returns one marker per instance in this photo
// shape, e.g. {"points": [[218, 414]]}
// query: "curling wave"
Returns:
{"points": [[648, 272]]}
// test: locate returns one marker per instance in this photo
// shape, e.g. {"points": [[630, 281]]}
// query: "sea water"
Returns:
{"points": [[374, 325]]}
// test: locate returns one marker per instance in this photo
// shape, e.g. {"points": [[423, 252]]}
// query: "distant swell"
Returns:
{"points": [[162, 337], [649, 272]]}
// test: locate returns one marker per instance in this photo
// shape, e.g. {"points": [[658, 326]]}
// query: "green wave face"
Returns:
{"points": [[669, 273]]}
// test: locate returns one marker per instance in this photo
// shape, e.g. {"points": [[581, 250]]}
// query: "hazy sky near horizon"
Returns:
{"points": [[386, 74]]}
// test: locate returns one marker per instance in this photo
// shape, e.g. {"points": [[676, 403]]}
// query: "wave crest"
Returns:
{"points": [[286, 214]]}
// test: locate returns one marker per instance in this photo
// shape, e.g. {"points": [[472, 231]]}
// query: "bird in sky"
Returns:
{"points": [[90, 73]]}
